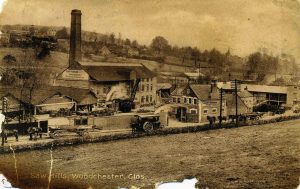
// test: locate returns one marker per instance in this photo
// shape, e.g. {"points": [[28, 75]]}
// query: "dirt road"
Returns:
{"points": [[266, 156]]}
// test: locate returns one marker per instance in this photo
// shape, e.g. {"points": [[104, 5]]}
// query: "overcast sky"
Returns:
{"points": [[242, 25]]}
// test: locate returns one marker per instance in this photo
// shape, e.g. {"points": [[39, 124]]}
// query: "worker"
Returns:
{"points": [[30, 132], [2, 132], [35, 132], [16, 134], [210, 119], [40, 131]]}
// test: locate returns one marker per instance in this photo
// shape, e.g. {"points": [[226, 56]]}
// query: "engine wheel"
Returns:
{"points": [[148, 126]]}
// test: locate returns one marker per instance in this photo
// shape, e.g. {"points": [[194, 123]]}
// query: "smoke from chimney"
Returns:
{"points": [[75, 38]]}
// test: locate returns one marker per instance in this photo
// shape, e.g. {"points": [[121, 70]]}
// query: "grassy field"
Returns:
{"points": [[265, 156]]}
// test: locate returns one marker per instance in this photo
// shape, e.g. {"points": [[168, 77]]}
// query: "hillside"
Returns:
{"points": [[56, 62]]}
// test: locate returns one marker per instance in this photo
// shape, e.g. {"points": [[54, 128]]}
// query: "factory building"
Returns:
{"points": [[109, 81]]}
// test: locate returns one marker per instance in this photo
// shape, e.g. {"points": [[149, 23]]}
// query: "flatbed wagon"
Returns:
{"points": [[81, 130]]}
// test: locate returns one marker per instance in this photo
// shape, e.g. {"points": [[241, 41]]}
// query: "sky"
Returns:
{"points": [[243, 26]]}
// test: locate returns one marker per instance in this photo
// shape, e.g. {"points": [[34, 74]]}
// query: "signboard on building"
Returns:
{"points": [[75, 75]]}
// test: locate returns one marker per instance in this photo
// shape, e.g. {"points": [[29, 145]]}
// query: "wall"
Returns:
{"points": [[146, 92], [249, 102], [71, 83], [210, 108], [293, 96], [113, 122], [56, 121]]}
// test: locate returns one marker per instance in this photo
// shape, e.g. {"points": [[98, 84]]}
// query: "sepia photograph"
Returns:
{"points": [[150, 94]]}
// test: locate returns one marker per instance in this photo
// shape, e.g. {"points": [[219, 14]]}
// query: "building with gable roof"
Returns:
{"points": [[194, 102]]}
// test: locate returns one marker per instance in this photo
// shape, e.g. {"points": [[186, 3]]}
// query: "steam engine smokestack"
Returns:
{"points": [[75, 38]]}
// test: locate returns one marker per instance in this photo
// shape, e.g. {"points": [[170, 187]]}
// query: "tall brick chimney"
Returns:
{"points": [[75, 38]]}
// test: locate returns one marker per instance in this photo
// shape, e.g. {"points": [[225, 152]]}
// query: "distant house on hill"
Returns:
{"points": [[104, 51], [173, 77], [194, 76], [4, 39], [132, 52]]}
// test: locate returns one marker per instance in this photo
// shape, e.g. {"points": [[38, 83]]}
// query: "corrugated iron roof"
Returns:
{"points": [[40, 95], [244, 94], [107, 71], [264, 88]]}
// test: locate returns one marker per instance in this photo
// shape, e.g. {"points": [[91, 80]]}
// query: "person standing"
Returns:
{"points": [[16, 134], [3, 137]]}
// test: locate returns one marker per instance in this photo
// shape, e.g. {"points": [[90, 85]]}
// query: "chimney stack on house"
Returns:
{"points": [[75, 38], [213, 85]]}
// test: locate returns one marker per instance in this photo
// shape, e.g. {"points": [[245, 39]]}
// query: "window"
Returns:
{"points": [[142, 99], [77, 121], [147, 87], [178, 100], [151, 87], [81, 121], [188, 91], [143, 87], [195, 101], [150, 98], [174, 99], [147, 98], [84, 121], [184, 100], [205, 111], [190, 100], [193, 111], [147, 79], [214, 110]]}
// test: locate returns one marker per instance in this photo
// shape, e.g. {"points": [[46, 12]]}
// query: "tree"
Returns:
{"points": [[134, 44], [195, 55], [26, 76], [216, 59], [62, 34], [204, 56], [254, 60], [262, 64], [160, 44], [119, 39], [31, 30], [127, 42], [112, 38], [44, 30]]}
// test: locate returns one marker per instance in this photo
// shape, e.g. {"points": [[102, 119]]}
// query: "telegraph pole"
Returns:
{"points": [[2, 124], [221, 106], [236, 103]]}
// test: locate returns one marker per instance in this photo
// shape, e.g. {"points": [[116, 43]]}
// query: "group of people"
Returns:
{"points": [[33, 132]]}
